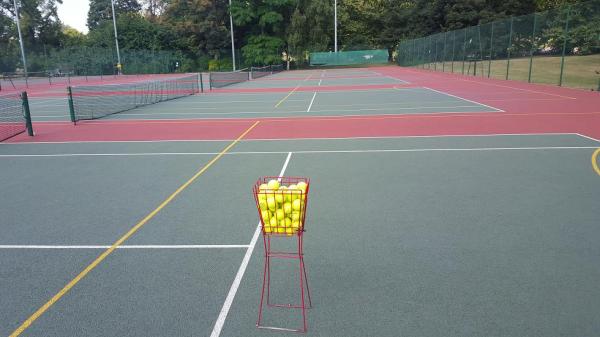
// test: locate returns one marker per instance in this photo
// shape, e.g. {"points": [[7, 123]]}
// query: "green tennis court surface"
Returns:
{"points": [[299, 104], [416, 236]]}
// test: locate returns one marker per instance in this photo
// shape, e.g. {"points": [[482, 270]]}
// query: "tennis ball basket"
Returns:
{"points": [[281, 203]]}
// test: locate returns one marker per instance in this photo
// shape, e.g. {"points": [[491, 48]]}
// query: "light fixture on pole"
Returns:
{"points": [[20, 37], [112, 4], [231, 31], [335, 46]]}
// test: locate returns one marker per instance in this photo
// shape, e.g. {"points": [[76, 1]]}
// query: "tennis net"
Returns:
{"points": [[276, 68], [224, 78], [258, 72], [14, 117], [97, 101]]}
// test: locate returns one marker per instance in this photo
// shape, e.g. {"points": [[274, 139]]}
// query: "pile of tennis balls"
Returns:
{"points": [[281, 207]]}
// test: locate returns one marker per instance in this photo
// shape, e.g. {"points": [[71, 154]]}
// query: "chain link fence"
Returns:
{"points": [[87, 61], [559, 46]]}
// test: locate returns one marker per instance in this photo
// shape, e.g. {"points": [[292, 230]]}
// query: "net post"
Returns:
{"points": [[210, 81], [27, 113], [564, 48], [201, 82], [512, 19], [532, 47], [71, 107]]}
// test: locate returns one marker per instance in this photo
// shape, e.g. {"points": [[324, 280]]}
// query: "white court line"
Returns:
{"points": [[321, 80], [588, 137], [521, 89], [398, 80], [122, 247], [291, 139], [300, 111], [311, 102], [240, 273], [464, 99], [149, 154]]}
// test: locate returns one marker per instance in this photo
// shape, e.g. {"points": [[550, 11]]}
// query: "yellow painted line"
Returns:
{"points": [[124, 238], [595, 161], [291, 92]]}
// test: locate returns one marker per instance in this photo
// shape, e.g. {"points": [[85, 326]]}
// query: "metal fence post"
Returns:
{"points": [[435, 57], [512, 19], [564, 48], [444, 55], [453, 45], [491, 50], [464, 51], [532, 46]]}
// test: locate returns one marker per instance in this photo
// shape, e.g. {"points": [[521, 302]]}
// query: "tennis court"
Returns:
{"points": [[440, 205]]}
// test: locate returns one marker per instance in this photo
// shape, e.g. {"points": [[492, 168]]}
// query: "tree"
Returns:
{"points": [[199, 26], [100, 10]]}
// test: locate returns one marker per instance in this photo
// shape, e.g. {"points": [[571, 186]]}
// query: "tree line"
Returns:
{"points": [[192, 35]]}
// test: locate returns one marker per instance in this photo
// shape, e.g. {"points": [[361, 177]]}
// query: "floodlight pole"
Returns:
{"points": [[335, 47], [112, 4], [20, 37], [231, 31]]}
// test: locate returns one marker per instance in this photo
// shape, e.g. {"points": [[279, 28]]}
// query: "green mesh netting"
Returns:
{"points": [[343, 58]]}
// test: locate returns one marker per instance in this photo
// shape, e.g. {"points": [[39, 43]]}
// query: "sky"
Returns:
{"points": [[74, 13]]}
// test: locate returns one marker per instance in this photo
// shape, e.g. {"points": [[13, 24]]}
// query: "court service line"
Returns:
{"points": [[464, 99], [290, 139], [240, 273], [149, 154], [299, 111], [122, 246], [311, 102], [124, 238]]}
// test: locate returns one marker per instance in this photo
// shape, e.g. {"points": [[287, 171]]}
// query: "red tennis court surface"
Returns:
{"points": [[525, 108]]}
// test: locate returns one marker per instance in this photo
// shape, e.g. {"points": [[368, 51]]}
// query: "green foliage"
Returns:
{"points": [[100, 11], [269, 31], [263, 50]]}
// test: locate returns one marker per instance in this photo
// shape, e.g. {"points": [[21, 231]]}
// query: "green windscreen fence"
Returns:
{"points": [[344, 58], [559, 46]]}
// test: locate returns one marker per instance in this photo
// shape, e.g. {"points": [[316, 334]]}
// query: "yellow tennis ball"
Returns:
{"points": [[280, 229], [297, 204], [273, 222], [295, 215], [262, 205], [287, 208], [262, 197], [279, 198], [273, 184], [279, 214], [262, 187], [271, 202], [288, 222], [289, 231], [302, 186], [267, 229], [265, 216], [295, 224]]}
